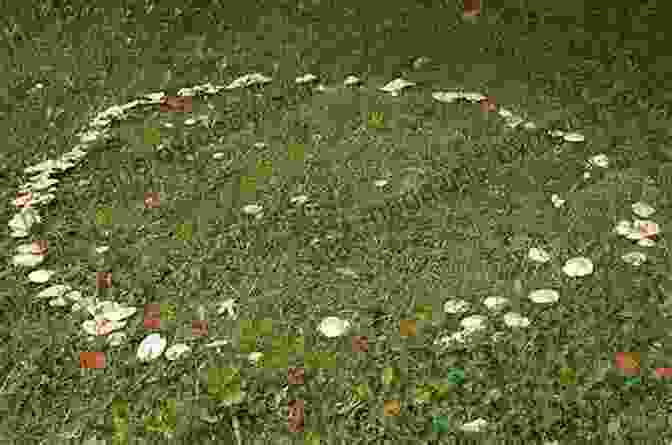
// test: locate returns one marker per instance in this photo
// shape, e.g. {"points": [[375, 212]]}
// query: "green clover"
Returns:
{"points": [[225, 385], [276, 359], [165, 421], [441, 391], [120, 409], [265, 327], [567, 376], [264, 168], [320, 360], [423, 393], [296, 152], [184, 232], [120, 437], [168, 311], [233, 395], [312, 438], [423, 312], [151, 136], [248, 184], [361, 392], [104, 216], [375, 119], [389, 376]]}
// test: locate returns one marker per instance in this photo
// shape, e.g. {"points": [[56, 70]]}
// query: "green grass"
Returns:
{"points": [[466, 199]]}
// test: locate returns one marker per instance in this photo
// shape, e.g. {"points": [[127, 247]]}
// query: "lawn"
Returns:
{"points": [[239, 222]]}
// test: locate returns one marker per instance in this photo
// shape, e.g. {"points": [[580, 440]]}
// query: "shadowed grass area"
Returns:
{"points": [[465, 199]]}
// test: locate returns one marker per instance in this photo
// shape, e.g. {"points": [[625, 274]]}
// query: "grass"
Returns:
{"points": [[465, 201]]}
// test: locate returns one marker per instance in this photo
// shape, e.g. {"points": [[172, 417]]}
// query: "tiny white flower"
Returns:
{"points": [[90, 136], [259, 145], [476, 426], [42, 183], [151, 347], [42, 198], [515, 320], [58, 302], [556, 133], [190, 121], [634, 258], [102, 249], [514, 121], [557, 202], [116, 338], [84, 304], [45, 166], [155, 97], [473, 323], [646, 242], [474, 97], [544, 296], [539, 255], [98, 123], [219, 155], [380, 183], [74, 295], [24, 220], [187, 91], [351, 80], [447, 96], [252, 209], [168, 125], [586, 175], [306, 78], [623, 227], [25, 249], [503, 112], [455, 306], [333, 327], [217, 344], [27, 259], [119, 313], [247, 80], [459, 337], [228, 307], [300, 199], [176, 351], [573, 137], [498, 336], [495, 303], [600, 160], [396, 85], [642, 209], [348, 272], [40, 276], [578, 267], [56, 290]]}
